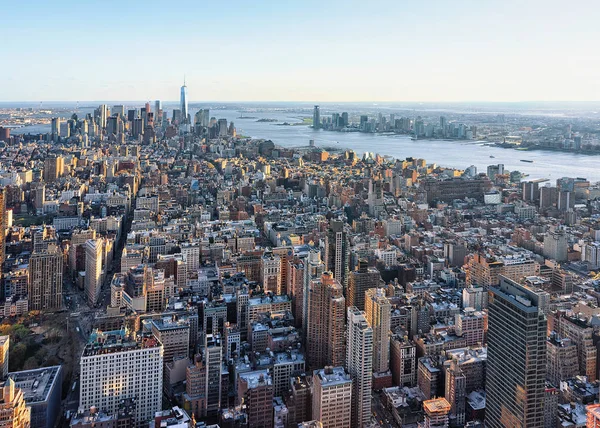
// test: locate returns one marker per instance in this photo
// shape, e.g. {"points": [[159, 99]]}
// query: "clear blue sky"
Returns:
{"points": [[417, 50]]}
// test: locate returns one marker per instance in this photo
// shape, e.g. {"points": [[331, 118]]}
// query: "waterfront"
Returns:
{"points": [[454, 153]]}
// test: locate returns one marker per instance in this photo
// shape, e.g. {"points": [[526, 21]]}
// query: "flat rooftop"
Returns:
{"points": [[333, 376], [37, 384]]}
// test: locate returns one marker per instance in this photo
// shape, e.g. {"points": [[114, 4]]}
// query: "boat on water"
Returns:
{"points": [[526, 160], [492, 156]]}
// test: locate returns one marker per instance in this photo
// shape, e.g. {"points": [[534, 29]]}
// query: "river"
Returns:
{"points": [[454, 154]]}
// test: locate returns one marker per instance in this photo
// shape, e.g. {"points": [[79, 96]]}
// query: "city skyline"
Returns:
{"points": [[333, 52]]}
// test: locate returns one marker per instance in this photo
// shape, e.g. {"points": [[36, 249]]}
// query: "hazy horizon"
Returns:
{"points": [[337, 51]]}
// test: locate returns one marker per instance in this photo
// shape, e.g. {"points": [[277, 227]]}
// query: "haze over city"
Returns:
{"points": [[301, 51], [300, 214]]}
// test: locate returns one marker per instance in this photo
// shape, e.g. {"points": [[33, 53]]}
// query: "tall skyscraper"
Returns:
{"points": [[359, 281], [184, 103], [313, 269], [3, 225], [359, 362], [332, 397], [46, 280], [326, 323], [337, 254], [93, 270], [158, 113], [317, 118], [55, 128], [516, 365], [378, 312], [115, 366]]}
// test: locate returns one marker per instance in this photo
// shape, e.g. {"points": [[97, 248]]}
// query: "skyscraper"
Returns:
{"points": [[46, 280], [337, 253], [359, 281], [55, 128], [53, 168], [93, 270], [326, 323], [317, 117], [3, 225], [378, 314], [516, 367], [359, 362], [184, 103]]}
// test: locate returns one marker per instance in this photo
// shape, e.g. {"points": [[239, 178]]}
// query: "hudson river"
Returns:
{"points": [[454, 154]]}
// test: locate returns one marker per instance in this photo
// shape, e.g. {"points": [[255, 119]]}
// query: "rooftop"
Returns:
{"points": [[116, 341], [256, 378], [331, 376], [37, 384]]}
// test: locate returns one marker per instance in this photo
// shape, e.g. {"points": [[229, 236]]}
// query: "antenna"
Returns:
{"points": [[184, 80]]}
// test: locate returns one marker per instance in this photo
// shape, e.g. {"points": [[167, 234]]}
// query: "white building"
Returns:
{"points": [[359, 361], [115, 366]]}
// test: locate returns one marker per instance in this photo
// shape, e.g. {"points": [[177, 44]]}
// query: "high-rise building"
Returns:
{"points": [[436, 413], [313, 269], [93, 270], [115, 366], [46, 280], [581, 333], [359, 362], [102, 115], [332, 397], [456, 393], [316, 117], [271, 272], [516, 364], [403, 361], [471, 326], [337, 253], [174, 335], [14, 412], [4, 348], [55, 128], [203, 380], [119, 110], [556, 245], [359, 281], [53, 168], [326, 323], [378, 312], [562, 359], [184, 103], [255, 392], [3, 225]]}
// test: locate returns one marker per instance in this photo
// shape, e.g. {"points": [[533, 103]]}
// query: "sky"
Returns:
{"points": [[305, 50]]}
